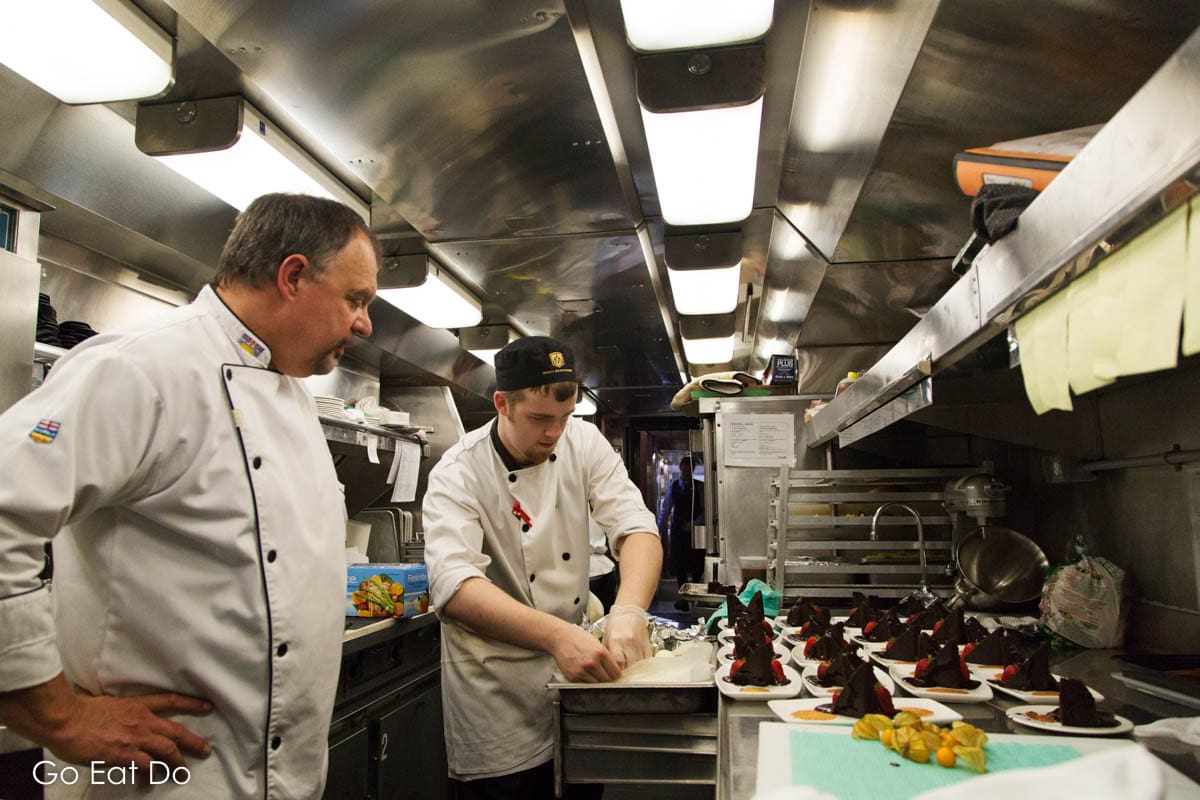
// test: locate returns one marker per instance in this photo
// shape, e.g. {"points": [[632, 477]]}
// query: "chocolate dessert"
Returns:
{"points": [[863, 694], [759, 667], [909, 606], [952, 629], [929, 617], [1032, 674], [944, 669], [734, 608], [973, 630], [861, 612], [1000, 647], [802, 612], [910, 644], [1077, 707], [827, 646], [817, 624], [884, 629], [837, 671]]}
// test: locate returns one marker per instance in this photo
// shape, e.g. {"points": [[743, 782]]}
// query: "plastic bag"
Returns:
{"points": [[1083, 602]]}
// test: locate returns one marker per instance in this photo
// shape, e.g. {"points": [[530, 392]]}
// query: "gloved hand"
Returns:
{"points": [[626, 634]]}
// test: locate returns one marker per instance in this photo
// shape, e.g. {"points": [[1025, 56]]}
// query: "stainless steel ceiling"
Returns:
{"points": [[505, 139]]}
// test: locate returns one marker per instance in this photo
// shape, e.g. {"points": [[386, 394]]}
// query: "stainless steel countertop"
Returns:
{"points": [[738, 723]]}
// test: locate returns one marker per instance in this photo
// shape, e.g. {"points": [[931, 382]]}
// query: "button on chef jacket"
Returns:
{"points": [[203, 532], [497, 709]]}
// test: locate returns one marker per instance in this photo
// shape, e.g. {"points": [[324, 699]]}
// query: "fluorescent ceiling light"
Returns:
{"points": [[672, 24], [709, 351], [439, 302], [705, 291], [87, 51], [586, 406], [260, 160], [484, 341], [704, 162]]}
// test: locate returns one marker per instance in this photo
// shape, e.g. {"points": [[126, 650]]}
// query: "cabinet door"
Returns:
{"points": [[348, 761], [408, 749]]}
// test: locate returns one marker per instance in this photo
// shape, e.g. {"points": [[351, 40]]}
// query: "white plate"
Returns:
{"points": [[725, 654], [1017, 715], [887, 663], [809, 676], [989, 676], [942, 715], [732, 690], [903, 675]]}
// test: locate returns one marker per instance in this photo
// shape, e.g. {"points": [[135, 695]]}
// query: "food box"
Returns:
{"points": [[386, 590]]}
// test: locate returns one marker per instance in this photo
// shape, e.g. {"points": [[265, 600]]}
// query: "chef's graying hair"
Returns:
{"points": [[276, 226], [561, 391]]}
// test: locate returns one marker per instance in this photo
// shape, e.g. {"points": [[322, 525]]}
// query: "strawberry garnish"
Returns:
{"points": [[964, 669], [777, 671], [822, 669], [922, 667], [768, 630], [937, 625], [968, 649], [884, 700], [808, 645], [1009, 672], [870, 626], [911, 618], [733, 668]]}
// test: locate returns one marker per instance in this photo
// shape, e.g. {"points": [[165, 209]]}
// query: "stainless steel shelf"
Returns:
{"points": [[878, 498], [47, 353], [346, 432], [858, 544], [829, 521], [861, 569]]}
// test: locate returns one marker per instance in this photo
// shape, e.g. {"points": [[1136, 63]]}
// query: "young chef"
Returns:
{"points": [[199, 523], [506, 543]]}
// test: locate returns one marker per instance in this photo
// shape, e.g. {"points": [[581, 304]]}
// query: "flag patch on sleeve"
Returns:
{"points": [[45, 431]]}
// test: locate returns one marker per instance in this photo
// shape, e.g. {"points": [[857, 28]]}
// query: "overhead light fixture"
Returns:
{"points": [[704, 271], [673, 24], [586, 405], [421, 288], [707, 339], [484, 341], [227, 147], [87, 51], [702, 112]]}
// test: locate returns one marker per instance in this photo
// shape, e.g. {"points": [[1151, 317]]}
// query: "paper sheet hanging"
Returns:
{"points": [[1153, 297], [1042, 334], [759, 440], [1191, 309], [1084, 323], [404, 471]]}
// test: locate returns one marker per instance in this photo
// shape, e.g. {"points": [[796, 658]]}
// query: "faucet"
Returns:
{"points": [[922, 593]]}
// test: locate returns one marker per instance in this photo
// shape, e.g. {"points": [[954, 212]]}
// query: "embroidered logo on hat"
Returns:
{"points": [[45, 431], [556, 359]]}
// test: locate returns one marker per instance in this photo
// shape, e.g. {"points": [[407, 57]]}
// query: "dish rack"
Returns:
{"points": [[819, 532]]}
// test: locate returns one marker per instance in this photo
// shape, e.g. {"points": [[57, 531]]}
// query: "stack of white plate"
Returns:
{"points": [[328, 406]]}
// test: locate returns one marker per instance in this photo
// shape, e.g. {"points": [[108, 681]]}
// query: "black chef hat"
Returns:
{"points": [[533, 361]]}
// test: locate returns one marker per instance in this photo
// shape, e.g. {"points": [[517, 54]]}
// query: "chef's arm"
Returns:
{"points": [[626, 634], [81, 728], [489, 611]]}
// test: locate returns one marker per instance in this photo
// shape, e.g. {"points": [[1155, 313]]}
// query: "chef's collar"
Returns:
{"points": [[510, 463], [252, 349]]}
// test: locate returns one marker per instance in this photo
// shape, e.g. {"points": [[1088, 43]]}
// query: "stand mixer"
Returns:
{"points": [[997, 567]]}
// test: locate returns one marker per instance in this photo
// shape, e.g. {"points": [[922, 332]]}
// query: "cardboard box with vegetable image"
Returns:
{"points": [[386, 590]]}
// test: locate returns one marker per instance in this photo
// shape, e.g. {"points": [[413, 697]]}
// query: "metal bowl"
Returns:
{"points": [[999, 567]]}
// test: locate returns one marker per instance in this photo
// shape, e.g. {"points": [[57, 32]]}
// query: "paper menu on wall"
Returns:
{"points": [[404, 472], [759, 440], [1191, 310]]}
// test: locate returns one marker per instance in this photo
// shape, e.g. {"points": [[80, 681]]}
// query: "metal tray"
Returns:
{"points": [[635, 698]]}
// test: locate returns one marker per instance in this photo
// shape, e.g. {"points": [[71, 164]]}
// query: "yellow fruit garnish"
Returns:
{"points": [[946, 757], [886, 738], [974, 757], [918, 750], [864, 730], [968, 735], [906, 718]]}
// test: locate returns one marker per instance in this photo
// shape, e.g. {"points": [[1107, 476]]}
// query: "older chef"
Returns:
{"points": [[506, 543], [198, 521]]}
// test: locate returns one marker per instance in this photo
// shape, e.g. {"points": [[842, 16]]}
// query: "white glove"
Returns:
{"points": [[627, 635]]}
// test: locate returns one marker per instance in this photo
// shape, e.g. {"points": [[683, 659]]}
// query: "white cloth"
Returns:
{"points": [[498, 713], [188, 548], [1124, 772], [1183, 729], [598, 562]]}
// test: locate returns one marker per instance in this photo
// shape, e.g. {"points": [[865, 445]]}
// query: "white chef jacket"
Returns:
{"points": [[498, 712], [200, 550]]}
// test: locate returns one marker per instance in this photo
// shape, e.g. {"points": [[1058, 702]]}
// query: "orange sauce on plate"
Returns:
{"points": [[812, 715]]}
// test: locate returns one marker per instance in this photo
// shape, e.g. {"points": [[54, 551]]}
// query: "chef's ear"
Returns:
{"points": [[291, 269], [500, 400]]}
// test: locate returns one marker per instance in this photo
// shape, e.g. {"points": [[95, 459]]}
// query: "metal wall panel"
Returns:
{"points": [[19, 280]]}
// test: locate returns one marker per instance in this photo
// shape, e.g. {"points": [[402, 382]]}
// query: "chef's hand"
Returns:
{"points": [[626, 634], [81, 728], [581, 658]]}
